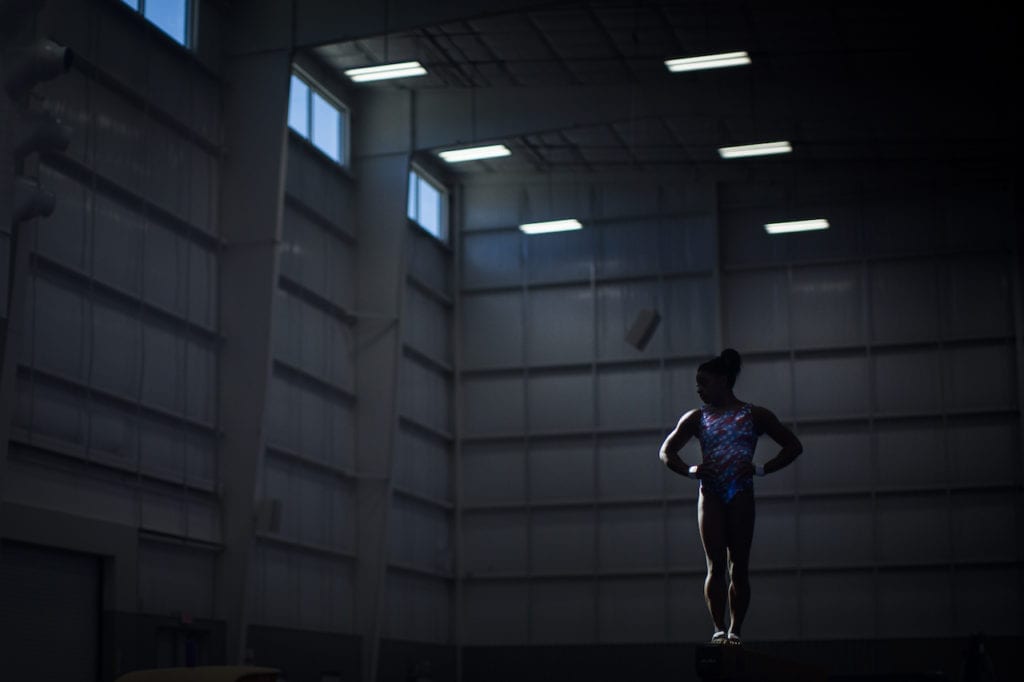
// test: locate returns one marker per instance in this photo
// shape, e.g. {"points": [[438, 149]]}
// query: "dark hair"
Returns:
{"points": [[727, 364]]}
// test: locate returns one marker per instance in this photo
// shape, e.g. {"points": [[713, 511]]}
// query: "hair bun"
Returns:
{"points": [[732, 359]]}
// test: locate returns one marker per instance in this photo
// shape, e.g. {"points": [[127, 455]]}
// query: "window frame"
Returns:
{"points": [[444, 218], [344, 116]]}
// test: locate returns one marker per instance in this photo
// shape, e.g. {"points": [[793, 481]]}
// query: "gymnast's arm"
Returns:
{"points": [[791, 445], [669, 453]]}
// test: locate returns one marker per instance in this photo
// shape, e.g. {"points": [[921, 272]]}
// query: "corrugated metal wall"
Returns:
{"points": [[116, 408]]}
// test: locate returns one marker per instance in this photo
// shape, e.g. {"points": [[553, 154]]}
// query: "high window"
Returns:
{"points": [[428, 204], [318, 117], [173, 17]]}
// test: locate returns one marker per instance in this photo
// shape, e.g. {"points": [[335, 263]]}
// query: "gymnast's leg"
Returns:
{"points": [[739, 514], [712, 522]]}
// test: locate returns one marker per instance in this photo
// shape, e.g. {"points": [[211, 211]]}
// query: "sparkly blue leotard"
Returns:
{"points": [[727, 440]]}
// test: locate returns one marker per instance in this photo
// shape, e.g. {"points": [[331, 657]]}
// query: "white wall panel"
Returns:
{"points": [[764, 382], [492, 259], [494, 542], [617, 308], [628, 397], [837, 605], [58, 337], [317, 258], [52, 411], [835, 532], [631, 538], [901, 225], [326, 594], [689, 242], [117, 244], [629, 247], [775, 534], [980, 377], [492, 330], [163, 366], [562, 540], [690, 321], [904, 301], [984, 526], [834, 459], [977, 212], [427, 325], [119, 139], [418, 609], [979, 297], [826, 306], [165, 277], [315, 183], [302, 591], [114, 433], [775, 608], [910, 455], [175, 579], [493, 473], [428, 260], [560, 401], [560, 325], [562, 612], [914, 603], [493, 405], [632, 610], [976, 590], [63, 236], [423, 464], [816, 380], [913, 529], [561, 469], [490, 206], [162, 508], [316, 508], [425, 395], [687, 613], [685, 548], [33, 479], [203, 189], [628, 466], [984, 450], [162, 448], [679, 383], [420, 535], [496, 613], [755, 309], [908, 382], [560, 256], [276, 591]]}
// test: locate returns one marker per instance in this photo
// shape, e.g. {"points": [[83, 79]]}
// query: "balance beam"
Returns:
{"points": [[731, 663]]}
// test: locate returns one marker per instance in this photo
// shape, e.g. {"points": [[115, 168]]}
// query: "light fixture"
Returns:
{"points": [[385, 71], [796, 226], [490, 151], [708, 61], [551, 226], [760, 149]]}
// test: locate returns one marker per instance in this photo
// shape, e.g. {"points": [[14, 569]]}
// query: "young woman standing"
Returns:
{"points": [[727, 429]]}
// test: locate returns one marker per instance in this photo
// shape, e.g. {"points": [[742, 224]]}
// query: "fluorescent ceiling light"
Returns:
{"points": [[708, 61], [378, 73], [551, 226], [490, 151], [796, 226], [755, 149]]}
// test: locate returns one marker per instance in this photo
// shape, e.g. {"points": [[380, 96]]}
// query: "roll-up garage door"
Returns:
{"points": [[49, 614]]}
